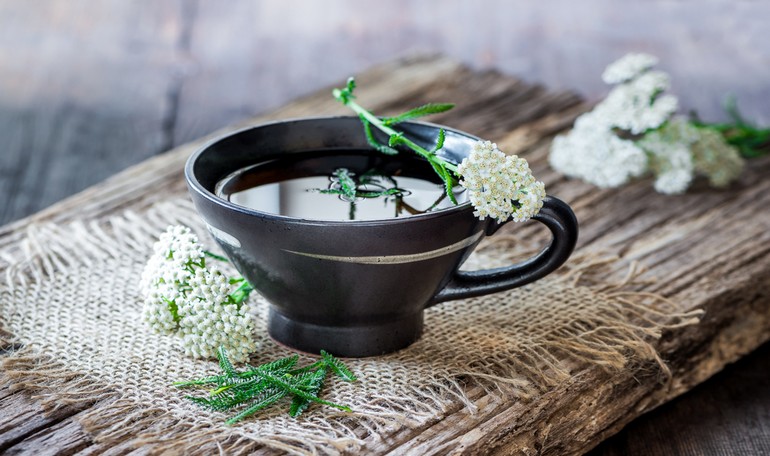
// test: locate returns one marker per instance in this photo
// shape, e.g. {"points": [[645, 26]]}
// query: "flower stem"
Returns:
{"points": [[242, 292], [215, 256], [377, 122]]}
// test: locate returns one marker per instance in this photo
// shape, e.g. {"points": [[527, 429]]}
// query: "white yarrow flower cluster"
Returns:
{"points": [[597, 155], [176, 248], [165, 275], [208, 319], [635, 106], [183, 296], [678, 151], [720, 162], [500, 186], [628, 67], [631, 132], [670, 159]]}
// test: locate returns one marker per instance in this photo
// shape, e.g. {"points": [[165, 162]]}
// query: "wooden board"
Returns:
{"points": [[82, 95], [709, 250], [107, 83]]}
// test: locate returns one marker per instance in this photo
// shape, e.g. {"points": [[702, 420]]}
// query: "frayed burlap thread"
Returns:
{"points": [[70, 305]]}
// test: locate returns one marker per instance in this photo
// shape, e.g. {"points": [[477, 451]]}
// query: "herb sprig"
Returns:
{"points": [[750, 140], [259, 387], [446, 171], [499, 186], [372, 184]]}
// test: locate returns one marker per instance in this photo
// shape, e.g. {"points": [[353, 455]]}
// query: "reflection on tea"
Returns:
{"points": [[321, 188]]}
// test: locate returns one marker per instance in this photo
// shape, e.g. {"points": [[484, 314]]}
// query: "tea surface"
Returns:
{"points": [[308, 188]]}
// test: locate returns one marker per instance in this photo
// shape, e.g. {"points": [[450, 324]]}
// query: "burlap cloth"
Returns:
{"points": [[69, 303]]}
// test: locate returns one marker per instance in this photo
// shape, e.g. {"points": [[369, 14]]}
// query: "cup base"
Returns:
{"points": [[345, 341]]}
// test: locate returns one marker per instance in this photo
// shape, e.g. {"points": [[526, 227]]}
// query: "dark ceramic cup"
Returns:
{"points": [[355, 288]]}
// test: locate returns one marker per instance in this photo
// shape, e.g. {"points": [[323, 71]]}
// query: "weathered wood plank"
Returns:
{"points": [[743, 386], [22, 416], [724, 266], [50, 61], [711, 48], [158, 173], [87, 89], [64, 437], [85, 78]]}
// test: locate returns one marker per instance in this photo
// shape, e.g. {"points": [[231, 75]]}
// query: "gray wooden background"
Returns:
{"points": [[89, 87], [111, 82]]}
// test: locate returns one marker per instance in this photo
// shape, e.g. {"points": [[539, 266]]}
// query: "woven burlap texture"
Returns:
{"points": [[70, 301]]}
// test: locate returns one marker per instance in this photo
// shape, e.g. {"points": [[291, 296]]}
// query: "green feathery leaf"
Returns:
{"points": [[215, 256], [314, 385], [420, 111], [213, 380], [382, 148], [346, 94], [238, 392], [449, 183], [750, 140], [440, 171], [338, 367], [260, 404], [241, 293], [232, 396], [363, 194], [280, 366], [224, 362], [310, 367], [346, 182], [292, 388], [378, 194], [396, 139], [439, 141], [440, 166], [262, 386], [364, 180], [327, 191], [205, 402]]}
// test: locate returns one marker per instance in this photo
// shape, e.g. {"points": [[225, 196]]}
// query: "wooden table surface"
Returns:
{"points": [[726, 414], [52, 145]]}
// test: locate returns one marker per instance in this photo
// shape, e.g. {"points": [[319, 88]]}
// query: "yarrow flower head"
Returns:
{"points": [[633, 132], [596, 155], [628, 67], [679, 150], [499, 185], [635, 106], [670, 160], [183, 296], [210, 318], [176, 251], [720, 162], [165, 276]]}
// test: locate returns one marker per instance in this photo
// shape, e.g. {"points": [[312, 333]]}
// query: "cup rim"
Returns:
{"points": [[195, 185]]}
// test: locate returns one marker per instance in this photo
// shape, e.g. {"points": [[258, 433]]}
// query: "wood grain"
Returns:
{"points": [[709, 249], [84, 93], [677, 428], [90, 87]]}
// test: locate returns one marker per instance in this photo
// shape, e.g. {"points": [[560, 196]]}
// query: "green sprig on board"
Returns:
{"points": [[750, 140], [257, 388]]}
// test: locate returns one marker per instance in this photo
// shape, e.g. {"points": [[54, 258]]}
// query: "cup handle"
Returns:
{"points": [[559, 218]]}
